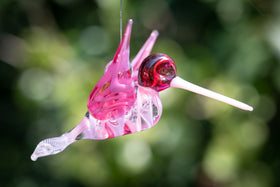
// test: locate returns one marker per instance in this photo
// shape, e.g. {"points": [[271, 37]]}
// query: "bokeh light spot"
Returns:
{"points": [[229, 11], [273, 30], [94, 40], [135, 156], [266, 107], [253, 133], [220, 164], [108, 4], [36, 84]]}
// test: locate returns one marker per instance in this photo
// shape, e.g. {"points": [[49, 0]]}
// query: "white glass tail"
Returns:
{"points": [[178, 82]]}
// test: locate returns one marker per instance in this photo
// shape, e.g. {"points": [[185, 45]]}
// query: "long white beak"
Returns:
{"points": [[178, 82]]}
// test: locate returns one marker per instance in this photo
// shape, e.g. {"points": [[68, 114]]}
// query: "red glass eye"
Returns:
{"points": [[157, 71]]}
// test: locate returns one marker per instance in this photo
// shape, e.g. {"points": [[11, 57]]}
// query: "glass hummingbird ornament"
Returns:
{"points": [[126, 98]]}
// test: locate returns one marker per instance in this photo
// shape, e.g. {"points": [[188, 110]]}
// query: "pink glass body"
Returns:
{"points": [[117, 105]]}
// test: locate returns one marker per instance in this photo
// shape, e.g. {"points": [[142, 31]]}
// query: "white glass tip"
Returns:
{"points": [[50, 146], [178, 82]]}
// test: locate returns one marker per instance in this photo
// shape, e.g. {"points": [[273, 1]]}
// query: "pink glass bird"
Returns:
{"points": [[126, 98]]}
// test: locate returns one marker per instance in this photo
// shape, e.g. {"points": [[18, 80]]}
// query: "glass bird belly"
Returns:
{"points": [[142, 114]]}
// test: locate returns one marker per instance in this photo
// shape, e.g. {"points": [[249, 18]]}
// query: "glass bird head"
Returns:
{"points": [[157, 72]]}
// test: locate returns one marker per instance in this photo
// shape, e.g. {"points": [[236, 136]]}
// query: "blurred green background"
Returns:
{"points": [[53, 52]]}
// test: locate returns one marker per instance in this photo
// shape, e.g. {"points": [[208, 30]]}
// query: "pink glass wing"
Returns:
{"points": [[115, 93], [143, 53]]}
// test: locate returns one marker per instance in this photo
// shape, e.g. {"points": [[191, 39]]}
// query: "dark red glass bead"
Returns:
{"points": [[157, 71]]}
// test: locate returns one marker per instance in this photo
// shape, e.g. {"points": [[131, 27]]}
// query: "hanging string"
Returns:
{"points": [[120, 20]]}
